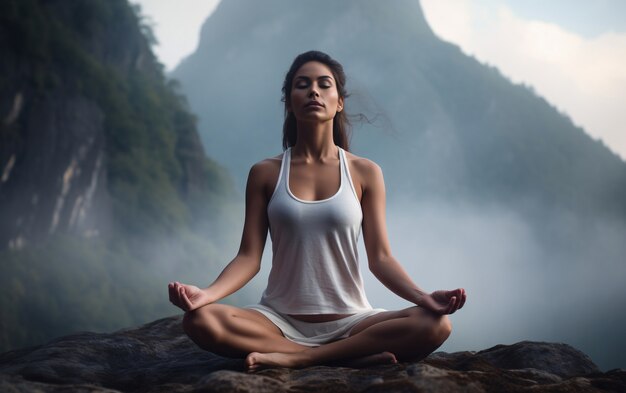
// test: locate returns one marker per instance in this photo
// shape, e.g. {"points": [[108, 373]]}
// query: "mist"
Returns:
{"points": [[438, 122], [520, 285]]}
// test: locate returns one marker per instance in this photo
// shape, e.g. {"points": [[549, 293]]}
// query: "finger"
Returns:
{"points": [[188, 302], [179, 295], [173, 293], [457, 303], [176, 293], [185, 300], [450, 308], [180, 289], [457, 300], [463, 297]]}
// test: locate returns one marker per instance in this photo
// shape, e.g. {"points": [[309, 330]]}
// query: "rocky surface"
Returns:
{"points": [[53, 159], [158, 357]]}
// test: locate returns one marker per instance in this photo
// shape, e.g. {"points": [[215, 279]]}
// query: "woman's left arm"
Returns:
{"points": [[380, 260]]}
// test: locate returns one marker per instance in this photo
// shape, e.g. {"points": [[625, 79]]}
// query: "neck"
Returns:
{"points": [[315, 141]]}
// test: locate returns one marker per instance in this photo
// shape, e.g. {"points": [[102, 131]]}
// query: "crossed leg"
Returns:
{"points": [[409, 334], [235, 332]]}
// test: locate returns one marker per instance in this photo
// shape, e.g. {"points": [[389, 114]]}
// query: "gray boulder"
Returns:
{"points": [[158, 357]]}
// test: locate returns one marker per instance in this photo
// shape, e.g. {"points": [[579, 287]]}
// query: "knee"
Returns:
{"points": [[191, 320], [203, 323], [441, 330], [435, 328]]}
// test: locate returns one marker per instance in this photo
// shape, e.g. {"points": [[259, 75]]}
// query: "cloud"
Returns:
{"points": [[583, 77]]}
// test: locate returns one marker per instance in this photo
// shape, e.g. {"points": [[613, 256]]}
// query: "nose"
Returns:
{"points": [[313, 92]]}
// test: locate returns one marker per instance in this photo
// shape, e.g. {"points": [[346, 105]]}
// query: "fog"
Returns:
{"points": [[520, 286]]}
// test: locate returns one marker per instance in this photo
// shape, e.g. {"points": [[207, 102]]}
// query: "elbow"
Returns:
{"points": [[252, 262], [254, 265], [375, 264]]}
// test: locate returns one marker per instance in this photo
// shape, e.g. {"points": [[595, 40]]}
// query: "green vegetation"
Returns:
{"points": [[168, 200], [69, 284], [150, 133]]}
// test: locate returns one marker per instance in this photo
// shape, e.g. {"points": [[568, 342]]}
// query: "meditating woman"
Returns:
{"points": [[314, 198]]}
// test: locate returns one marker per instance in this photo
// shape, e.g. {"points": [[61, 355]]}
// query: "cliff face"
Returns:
{"points": [[53, 134], [105, 190], [54, 177], [86, 115], [159, 357]]}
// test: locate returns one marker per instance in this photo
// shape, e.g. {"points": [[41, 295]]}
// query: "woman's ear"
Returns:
{"points": [[340, 104]]}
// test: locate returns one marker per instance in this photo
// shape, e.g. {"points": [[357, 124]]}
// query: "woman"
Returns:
{"points": [[314, 310]]}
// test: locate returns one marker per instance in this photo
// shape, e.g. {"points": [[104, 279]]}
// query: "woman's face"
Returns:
{"points": [[314, 95]]}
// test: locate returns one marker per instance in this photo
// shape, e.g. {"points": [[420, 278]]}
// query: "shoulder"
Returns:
{"points": [[267, 166], [264, 174], [367, 171]]}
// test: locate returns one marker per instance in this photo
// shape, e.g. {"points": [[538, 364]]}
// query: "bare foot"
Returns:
{"points": [[256, 361], [371, 360]]}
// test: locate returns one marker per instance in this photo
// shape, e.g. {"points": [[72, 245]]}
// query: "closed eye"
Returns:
{"points": [[325, 82]]}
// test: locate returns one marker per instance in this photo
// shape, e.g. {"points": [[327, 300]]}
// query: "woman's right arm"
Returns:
{"points": [[247, 263]]}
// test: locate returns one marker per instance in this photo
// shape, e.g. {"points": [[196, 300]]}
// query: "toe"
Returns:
{"points": [[251, 360]]}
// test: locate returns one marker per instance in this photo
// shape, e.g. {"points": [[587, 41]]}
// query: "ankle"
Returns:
{"points": [[304, 359]]}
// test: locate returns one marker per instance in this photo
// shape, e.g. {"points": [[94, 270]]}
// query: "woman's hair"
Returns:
{"points": [[341, 124]]}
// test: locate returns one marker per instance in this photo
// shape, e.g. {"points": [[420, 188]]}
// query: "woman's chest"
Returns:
{"points": [[339, 213]]}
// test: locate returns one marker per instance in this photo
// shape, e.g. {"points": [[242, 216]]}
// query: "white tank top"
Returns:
{"points": [[315, 264]]}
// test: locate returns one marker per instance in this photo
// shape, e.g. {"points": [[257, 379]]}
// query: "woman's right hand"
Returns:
{"points": [[187, 297]]}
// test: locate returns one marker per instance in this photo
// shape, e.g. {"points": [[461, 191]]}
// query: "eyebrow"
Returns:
{"points": [[308, 79]]}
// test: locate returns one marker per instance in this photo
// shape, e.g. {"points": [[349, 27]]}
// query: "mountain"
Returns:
{"points": [[106, 191], [441, 124], [489, 186]]}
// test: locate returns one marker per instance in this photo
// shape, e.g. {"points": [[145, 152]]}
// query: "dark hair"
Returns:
{"points": [[341, 124]]}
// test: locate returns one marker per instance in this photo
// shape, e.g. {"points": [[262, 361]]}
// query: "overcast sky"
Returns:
{"points": [[572, 52]]}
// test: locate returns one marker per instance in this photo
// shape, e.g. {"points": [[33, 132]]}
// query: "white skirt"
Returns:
{"points": [[313, 333]]}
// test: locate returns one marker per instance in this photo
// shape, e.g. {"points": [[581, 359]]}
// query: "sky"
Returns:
{"points": [[571, 52]]}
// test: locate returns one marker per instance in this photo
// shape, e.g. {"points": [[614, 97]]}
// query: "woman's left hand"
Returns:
{"points": [[444, 302]]}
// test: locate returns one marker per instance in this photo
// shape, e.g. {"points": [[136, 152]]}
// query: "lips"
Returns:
{"points": [[314, 103]]}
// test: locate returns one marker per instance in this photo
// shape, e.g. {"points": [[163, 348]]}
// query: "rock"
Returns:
{"points": [[559, 359], [158, 357]]}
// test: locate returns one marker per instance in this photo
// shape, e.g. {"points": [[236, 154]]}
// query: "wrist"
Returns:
{"points": [[210, 295], [418, 296]]}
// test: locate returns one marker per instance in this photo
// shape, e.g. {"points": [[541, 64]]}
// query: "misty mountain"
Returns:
{"points": [[489, 186], [106, 190], [441, 124]]}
